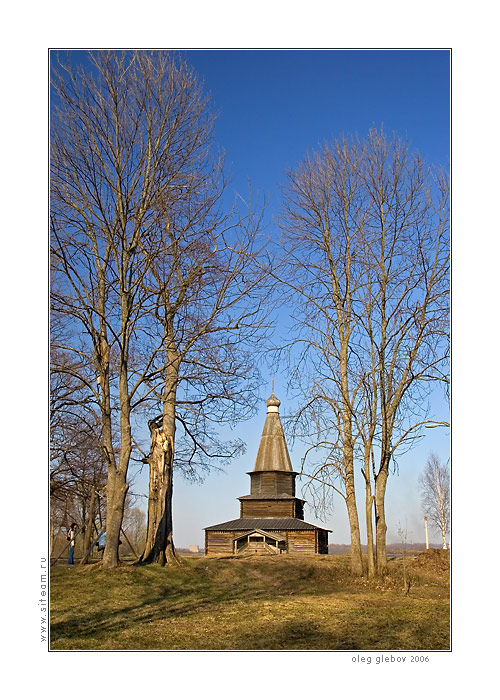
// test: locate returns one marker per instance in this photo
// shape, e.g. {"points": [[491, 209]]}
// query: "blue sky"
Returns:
{"points": [[274, 107]]}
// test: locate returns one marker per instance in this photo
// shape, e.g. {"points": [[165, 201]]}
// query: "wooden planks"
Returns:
{"points": [[272, 484], [268, 509], [302, 542], [298, 542], [219, 542]]}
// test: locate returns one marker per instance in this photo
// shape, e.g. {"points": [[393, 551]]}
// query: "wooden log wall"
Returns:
{"points": [[268, 509], [272, 483], [219, 542], [303, 542]]}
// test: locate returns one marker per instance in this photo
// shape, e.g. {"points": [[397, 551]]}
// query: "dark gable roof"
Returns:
{"points": [[264, 524]]}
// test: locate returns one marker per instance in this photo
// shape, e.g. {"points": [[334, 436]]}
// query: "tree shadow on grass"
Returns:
{"points": [[106, 622], [358, 628], [175, 599], [375, 623], [352, 635], [167, 604], [290, 635]]}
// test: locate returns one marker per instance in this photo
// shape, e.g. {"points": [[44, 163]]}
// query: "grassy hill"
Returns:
{"points": [[281, 602]]}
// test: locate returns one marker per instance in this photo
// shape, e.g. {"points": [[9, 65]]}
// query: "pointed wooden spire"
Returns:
{"points": [[273, 451]]}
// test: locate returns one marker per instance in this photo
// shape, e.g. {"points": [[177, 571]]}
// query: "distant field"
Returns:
{"points": [[282, 602]]}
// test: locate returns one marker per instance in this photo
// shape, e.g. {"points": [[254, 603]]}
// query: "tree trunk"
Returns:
{"points": [[369, 526], [88, 528], [356, 560], [159, 538], [441, 507], [348, 455], [117, 487], [352, 511], [380, 524], [114, 517]]}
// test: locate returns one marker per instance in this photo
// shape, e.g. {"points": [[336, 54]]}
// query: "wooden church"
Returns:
{"points": [[271, 517]]}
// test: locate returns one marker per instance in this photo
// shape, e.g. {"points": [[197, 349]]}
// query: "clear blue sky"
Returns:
{"points": [[273, 107]]}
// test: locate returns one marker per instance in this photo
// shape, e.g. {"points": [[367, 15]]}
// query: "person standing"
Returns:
{"points": [[71, 538], [101, 543]]}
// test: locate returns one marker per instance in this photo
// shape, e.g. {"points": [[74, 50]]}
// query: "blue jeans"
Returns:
{"points": [[70, 556]]}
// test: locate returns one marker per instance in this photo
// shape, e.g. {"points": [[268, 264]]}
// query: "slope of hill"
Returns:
{"points": [[280, 602]]}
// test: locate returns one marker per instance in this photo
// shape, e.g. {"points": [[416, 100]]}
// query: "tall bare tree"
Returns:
{"points": [[407, 295], [122, 128], [323, 229], [365, 250], [210, 314], [434, 485], [135, 194]]}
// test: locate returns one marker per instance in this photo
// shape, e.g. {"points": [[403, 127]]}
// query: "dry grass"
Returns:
{"points": [[287, 602]]}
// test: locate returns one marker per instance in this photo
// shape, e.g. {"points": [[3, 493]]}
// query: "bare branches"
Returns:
{"points": [[135, 187], [434, 484], [366, 263], [156, 281]]}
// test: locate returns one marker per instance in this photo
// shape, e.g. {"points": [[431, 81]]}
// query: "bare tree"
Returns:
{"points": [[366, 257], [434, 486], [323, 228], [209, 312], [138, 247], [408, 294], [122, 131], [77, 467]]}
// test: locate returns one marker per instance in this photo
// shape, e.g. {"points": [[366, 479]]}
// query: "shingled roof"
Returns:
{"points": [[273, 452], [264, 524]]}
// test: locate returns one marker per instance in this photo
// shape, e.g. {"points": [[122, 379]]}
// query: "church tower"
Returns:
{"points": [[272, 481], [271, 517]]}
